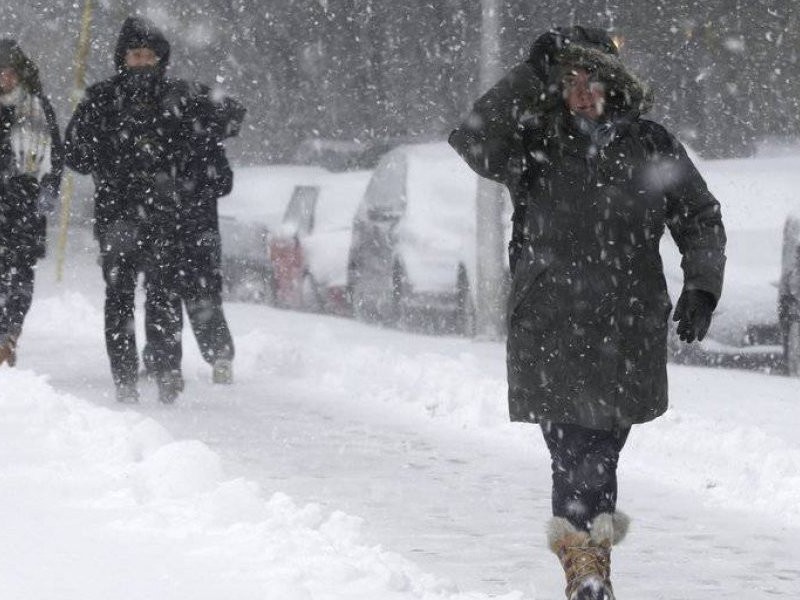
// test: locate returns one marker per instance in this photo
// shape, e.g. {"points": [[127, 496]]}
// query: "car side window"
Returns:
{"points": [[299, 215]]}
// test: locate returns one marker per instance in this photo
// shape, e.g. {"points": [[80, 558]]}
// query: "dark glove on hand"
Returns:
{"points": [[693, 314]]}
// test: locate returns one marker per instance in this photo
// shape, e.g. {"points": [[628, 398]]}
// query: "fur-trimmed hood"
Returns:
{"points": [[546, 48], [625, 93], [11, 55]]}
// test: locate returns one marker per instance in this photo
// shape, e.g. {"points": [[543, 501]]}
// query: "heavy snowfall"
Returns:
{"points": [[350, 461], [357, 460]]}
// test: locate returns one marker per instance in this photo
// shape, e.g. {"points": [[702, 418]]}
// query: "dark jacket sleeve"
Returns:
{"points": [[52, 181], [693, 215], [80, 150], [489, 139]]}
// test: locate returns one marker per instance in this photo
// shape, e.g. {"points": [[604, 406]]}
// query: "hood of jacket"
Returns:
{"points": [[547, 47], [138, 32], [11, 55], [626, 95]]}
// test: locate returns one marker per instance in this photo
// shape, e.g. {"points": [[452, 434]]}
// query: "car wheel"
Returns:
{"points": [[310, 299], [791, 349], [465, 305]]}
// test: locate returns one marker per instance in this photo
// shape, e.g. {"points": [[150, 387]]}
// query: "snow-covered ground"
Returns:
{"points": [[352, 462]]}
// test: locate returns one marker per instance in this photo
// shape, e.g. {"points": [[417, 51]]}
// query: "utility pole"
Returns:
{"points": [[490, 255]]}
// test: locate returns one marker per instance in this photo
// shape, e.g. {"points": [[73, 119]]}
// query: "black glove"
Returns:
{"points": [[693, 314]]}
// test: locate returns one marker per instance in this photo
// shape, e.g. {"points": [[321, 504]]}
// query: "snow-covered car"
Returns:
{"points": [[789, 294], [413, 250], [309, 251], [756, 195], [247, 217]]}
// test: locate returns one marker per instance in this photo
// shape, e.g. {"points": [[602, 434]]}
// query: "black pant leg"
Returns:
{"points": [[163, 320], [203, 296], [150, 330], [16, 296], [584, 463], [210, 327], [120, 271]]}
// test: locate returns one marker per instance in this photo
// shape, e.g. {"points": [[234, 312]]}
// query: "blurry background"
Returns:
{"points": [[725, 72]]}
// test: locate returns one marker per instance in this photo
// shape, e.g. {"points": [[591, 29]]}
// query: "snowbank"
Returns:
{"points": [[119, 500]]}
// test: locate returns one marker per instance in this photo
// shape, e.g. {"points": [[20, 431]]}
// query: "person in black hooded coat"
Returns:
{"points": [[31, 162], [137, 134], [594, 187]]}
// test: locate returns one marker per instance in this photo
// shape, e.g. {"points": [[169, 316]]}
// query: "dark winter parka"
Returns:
{"points": [[588, 307], [26, 119], [126, 133], [148, 140]]}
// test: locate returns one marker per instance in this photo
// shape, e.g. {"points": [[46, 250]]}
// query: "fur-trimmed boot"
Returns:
{"points": [[8, 349], [586, 556]]}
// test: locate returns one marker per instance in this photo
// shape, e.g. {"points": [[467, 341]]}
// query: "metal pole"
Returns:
{"points": [[489, 226], [81, 54]]}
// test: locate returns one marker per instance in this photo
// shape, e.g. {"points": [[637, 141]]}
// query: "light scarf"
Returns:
{"points": [[29, 135]]}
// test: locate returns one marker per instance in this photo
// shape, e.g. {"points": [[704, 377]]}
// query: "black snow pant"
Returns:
{"points": [[584, 465], [123, 258], [201, 290], [16, 295]]}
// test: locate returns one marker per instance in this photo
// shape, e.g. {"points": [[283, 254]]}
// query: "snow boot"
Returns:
{"points": [[8, 350], [586, 556], [127, 393], [170, 384], [222, 371]]}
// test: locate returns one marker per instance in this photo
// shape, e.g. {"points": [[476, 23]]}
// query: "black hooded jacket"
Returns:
{"points": [[143, 138]]}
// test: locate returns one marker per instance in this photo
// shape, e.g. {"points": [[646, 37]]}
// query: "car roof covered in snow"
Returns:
{"points": [[260, 194]]}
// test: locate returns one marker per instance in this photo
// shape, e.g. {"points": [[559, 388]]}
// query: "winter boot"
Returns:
{"points": [[170, 384], [8, 349], [222, 371], [586, 556], [127, 393]]}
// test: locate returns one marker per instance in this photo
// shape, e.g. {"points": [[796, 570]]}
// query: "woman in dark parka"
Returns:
{"points": [[594, 186]]}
